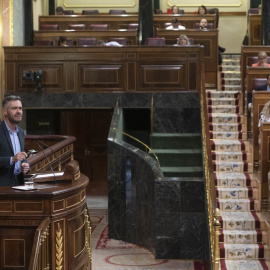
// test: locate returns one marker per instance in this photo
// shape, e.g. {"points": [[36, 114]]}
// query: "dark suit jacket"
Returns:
{"points": [[259, 88], [6, 151]]}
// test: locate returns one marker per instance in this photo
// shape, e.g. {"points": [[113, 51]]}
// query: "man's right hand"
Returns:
{"points": [[19, 157]]}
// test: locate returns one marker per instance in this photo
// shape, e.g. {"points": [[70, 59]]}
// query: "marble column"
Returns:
{"points": [[265, 23], [145, 20]]}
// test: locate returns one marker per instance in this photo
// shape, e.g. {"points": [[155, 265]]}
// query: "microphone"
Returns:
{"points": [[44, 144], [38, 143], [31, 152]]}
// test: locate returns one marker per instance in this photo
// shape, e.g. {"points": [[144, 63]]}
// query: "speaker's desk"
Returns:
{"points": [[24, 215]]}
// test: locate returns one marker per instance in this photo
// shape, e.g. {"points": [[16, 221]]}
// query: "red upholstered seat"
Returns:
{"points": [[50, 27], [43, 43], [258, 82], [155, 41], [117, 11], [253, 11], [133, 26], [86, 41], [68, 12], [99, 26], [181, 11], [81, 26], [209, 25], [120, 40], [90, 12]]}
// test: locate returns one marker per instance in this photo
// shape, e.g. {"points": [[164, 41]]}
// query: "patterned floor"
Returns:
{"points": [[111, 254]]}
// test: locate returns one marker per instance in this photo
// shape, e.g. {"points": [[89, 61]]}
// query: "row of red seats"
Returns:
{"points": [[82, 26], [160, 41], [95, 12]]}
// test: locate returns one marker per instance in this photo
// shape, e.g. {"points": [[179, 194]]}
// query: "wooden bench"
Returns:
{"points": [[130, 35], [247, 53], [209, 39], [259, 99], [254, 29], [252, 73], [264, 159], [122, 21]]}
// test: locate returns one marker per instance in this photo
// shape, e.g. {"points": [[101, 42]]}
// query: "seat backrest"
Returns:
{"points": [[86, 41], [258, 82], [117, 11], [68, 12], [214, 11], [99, 26], [133, 26], [51, 27], [253, 11], [191, 41], [120, 40], [209, 25], [70, 42], [254, 59], [90, 12], [181, 11], [81, 26], [43, 43], [155, 41], [157, 11]]}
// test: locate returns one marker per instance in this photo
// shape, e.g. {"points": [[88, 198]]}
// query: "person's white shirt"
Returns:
{"points": [[113, 43], [170, 27]]}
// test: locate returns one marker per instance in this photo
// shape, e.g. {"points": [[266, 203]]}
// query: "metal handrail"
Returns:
{"points": [[146, 146]]}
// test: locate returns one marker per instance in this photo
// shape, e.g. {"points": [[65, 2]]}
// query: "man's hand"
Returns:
{"points": [[19, 157], [25, 167]]}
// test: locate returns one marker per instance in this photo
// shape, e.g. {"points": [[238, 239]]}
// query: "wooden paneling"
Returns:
{"points": [[18, 228], [208, 39], [107, 69]]}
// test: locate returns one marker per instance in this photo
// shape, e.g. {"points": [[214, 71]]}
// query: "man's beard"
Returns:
{"points": [[13, 120]]}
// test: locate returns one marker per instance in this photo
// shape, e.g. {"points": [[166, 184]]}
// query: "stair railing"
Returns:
{"points": [[152, 120], [146, 146], [213, 211]]}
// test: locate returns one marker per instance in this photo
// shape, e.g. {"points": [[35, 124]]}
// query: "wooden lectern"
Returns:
{"points": [[46, 228]]}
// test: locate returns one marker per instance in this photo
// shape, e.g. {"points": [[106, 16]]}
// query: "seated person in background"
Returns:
{"points": [[260, 9], [175, 25], [59, 11], [62, 41], [175, 9], [265, 87], [183, 40], [202, 10], [265, 114], [203, 24], [111, 43], [262, 60]]}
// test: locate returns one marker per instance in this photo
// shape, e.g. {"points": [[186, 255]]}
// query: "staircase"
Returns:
{"points": [[241, 236], [180, 155]]}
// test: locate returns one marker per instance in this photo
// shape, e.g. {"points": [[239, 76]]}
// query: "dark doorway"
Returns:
{"points": [[90, 127]]}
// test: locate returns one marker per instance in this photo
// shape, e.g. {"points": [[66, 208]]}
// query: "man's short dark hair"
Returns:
{"points": [[7, 99], [175, 20], [62, 39], [59, 10]]}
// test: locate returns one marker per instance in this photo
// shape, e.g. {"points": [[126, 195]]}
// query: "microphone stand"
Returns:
{"points": [[38, 143]]}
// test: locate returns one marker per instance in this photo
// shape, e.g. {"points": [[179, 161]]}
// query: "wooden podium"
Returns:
{"points": [[46, 228]]}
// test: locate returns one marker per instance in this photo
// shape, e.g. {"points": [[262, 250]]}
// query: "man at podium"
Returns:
{"points": [[13, 163]]}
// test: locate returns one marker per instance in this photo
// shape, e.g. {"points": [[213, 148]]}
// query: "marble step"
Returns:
{"points": [[229, 156], [243, 265], [230, 74], [224, 109], [231, 81], [231, 87], [182, 171], [225, 127], [226, 135], [219, 118], [222, 94], [229, 68]]}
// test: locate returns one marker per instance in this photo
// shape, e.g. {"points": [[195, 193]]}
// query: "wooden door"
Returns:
{"points": [[90, 127]]}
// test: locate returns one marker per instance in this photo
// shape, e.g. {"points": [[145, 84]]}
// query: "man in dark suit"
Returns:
{"points": [[264, 87], [13, 163]]}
